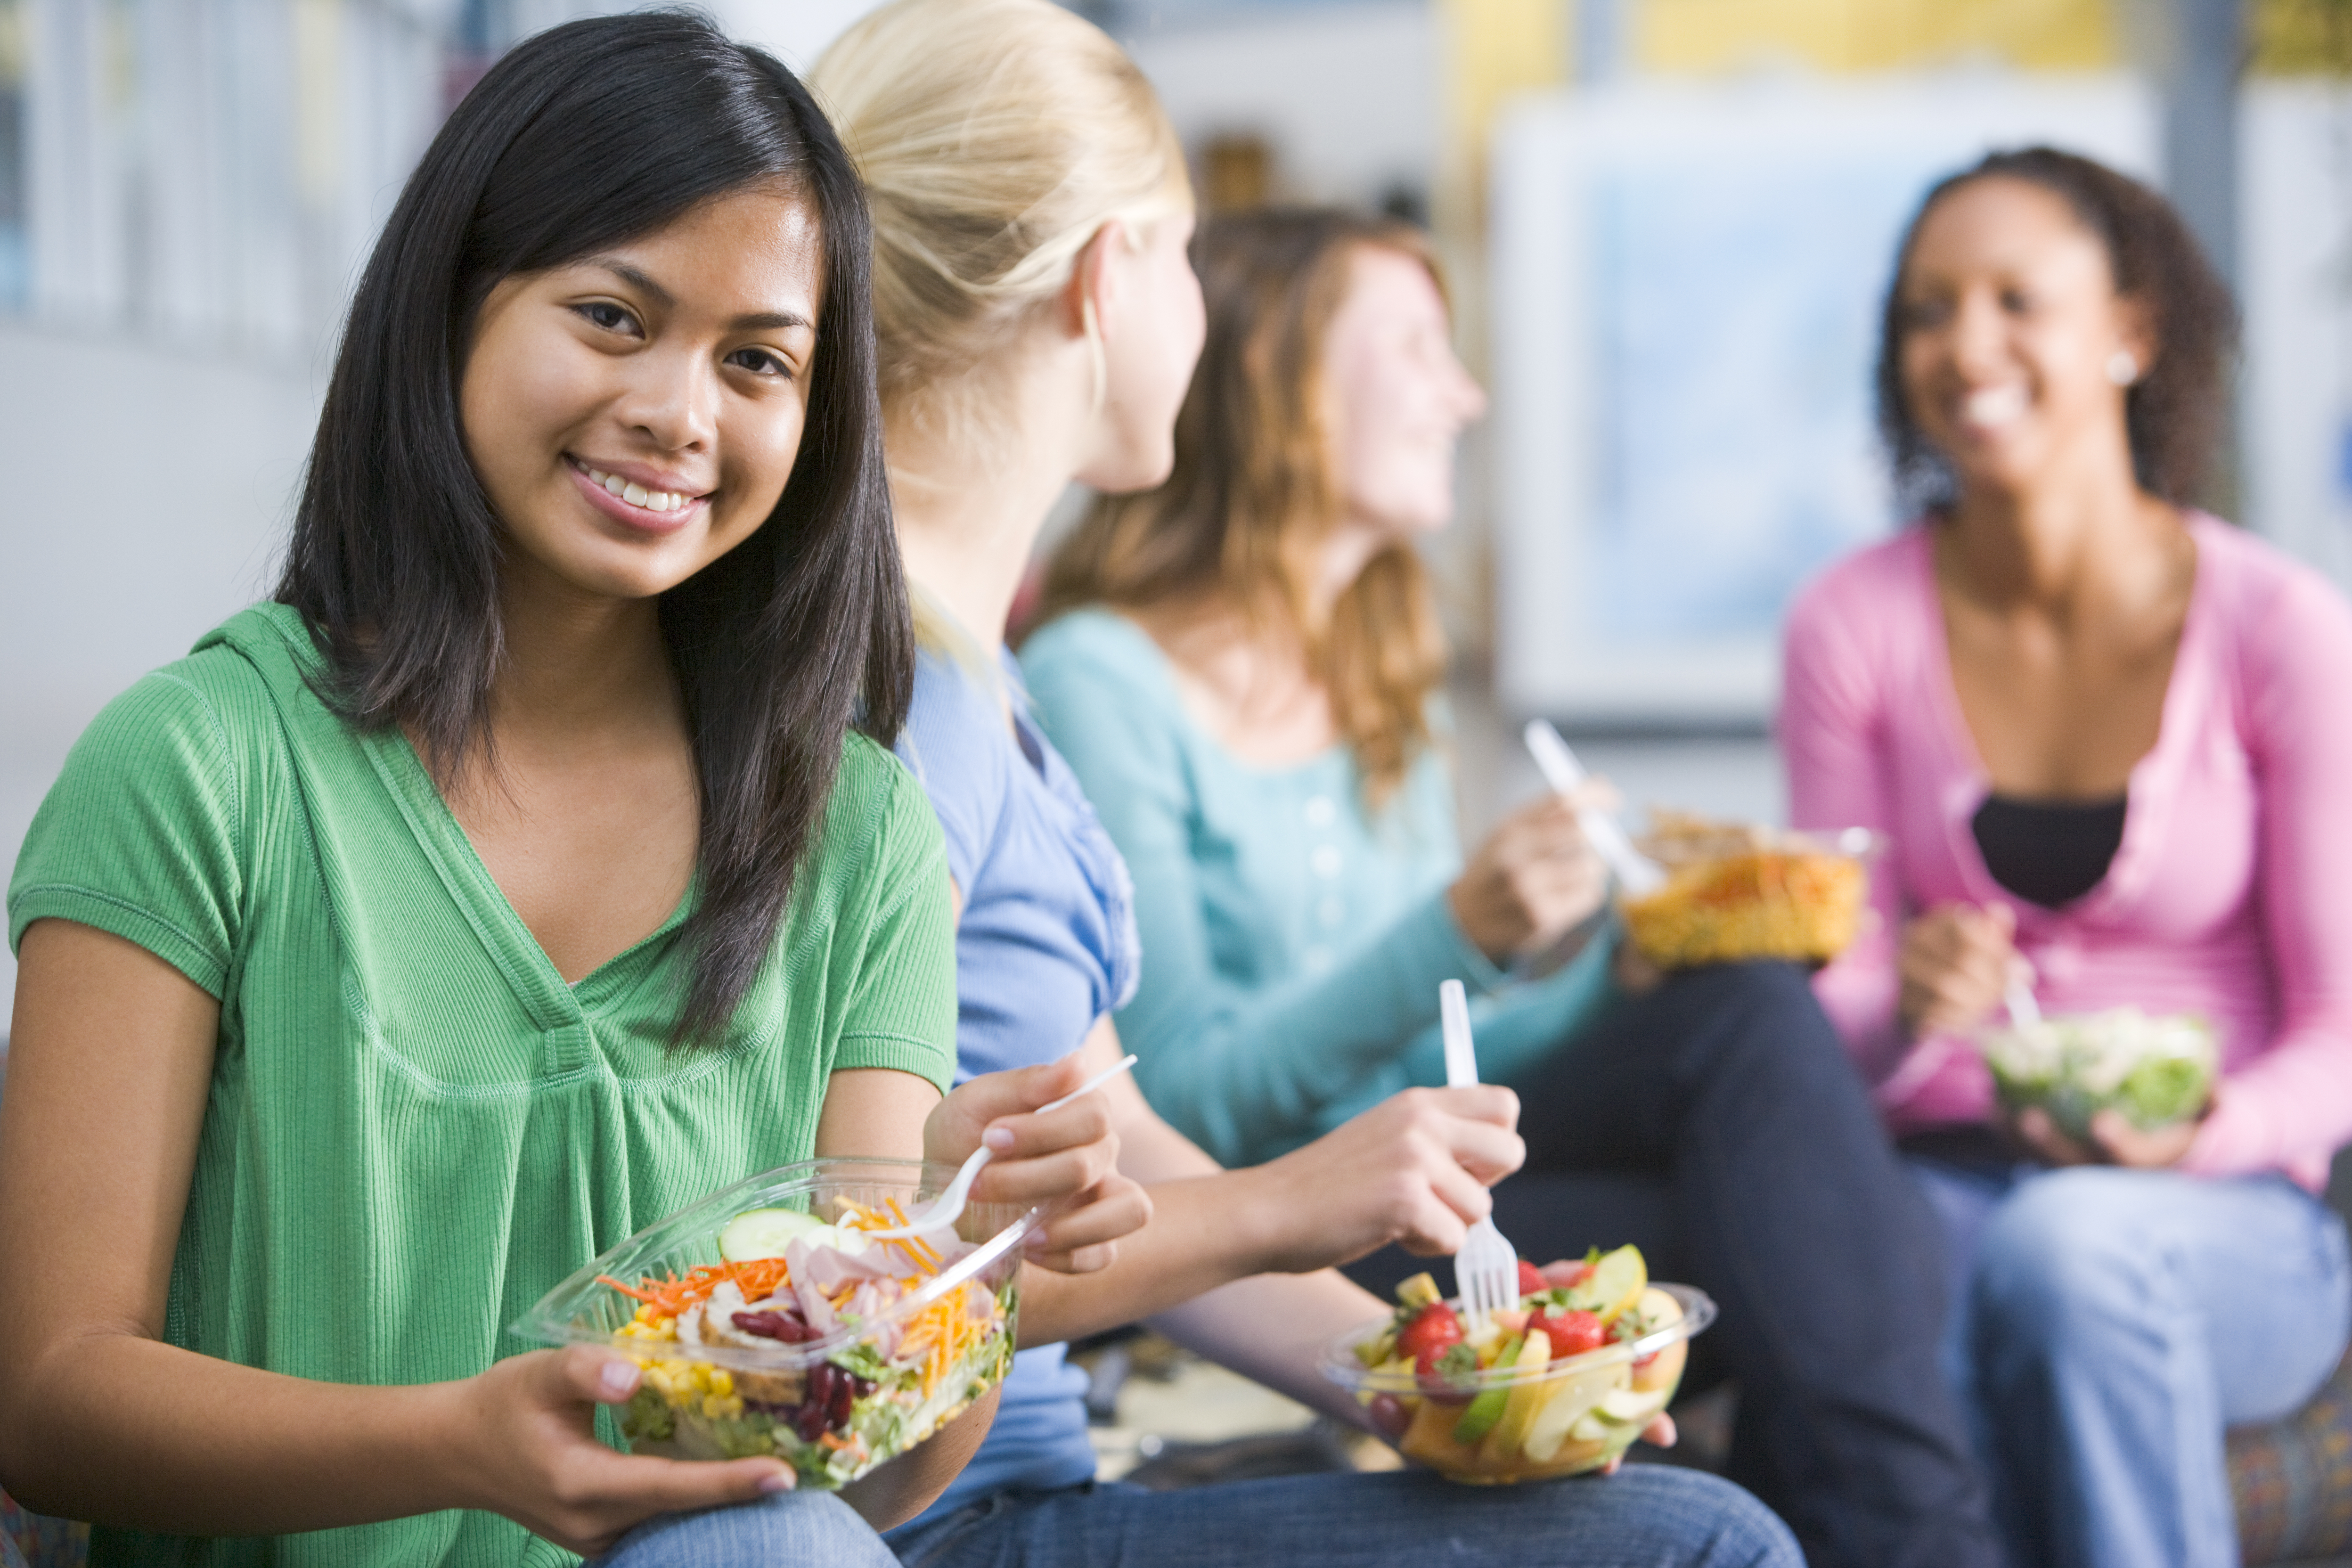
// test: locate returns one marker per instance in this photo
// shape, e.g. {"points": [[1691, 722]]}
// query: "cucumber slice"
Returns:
{"points": [[762, 1233]]}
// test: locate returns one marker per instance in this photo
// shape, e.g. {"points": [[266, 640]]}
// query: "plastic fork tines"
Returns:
{"points": [[1486, 1269]]}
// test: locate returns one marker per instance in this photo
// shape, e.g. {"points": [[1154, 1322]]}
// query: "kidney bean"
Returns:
{"points": [[782, 1326]]}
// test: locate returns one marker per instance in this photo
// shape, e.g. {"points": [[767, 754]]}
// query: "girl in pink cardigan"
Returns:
{"points": [[2109, 741]]}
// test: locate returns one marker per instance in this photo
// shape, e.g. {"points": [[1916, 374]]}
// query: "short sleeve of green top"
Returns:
{"points": [[416, 1128]]}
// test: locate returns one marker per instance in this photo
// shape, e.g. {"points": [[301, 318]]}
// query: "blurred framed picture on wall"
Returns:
{"points": [[1687, 281]]}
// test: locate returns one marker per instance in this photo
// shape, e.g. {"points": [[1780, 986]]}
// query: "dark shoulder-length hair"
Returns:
{"points": [[2174, 414], [584, 136]]}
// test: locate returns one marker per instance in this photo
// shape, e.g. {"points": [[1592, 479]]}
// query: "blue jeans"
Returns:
{"points": [[1646, 1516], [2109, 1325], [794, 1528]]}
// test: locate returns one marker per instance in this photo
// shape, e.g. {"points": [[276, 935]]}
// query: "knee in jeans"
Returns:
{"points": [[1764, 1013], [795, 1527], [2064, 1259]]}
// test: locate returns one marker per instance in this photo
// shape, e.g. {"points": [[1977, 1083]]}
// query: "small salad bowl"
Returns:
{"points": [[1509, 1422], [768, 1323]]}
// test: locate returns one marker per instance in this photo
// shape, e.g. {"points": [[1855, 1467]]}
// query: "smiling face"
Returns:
{"points": [[633, 415], [1397, 396], [2010, 323]]}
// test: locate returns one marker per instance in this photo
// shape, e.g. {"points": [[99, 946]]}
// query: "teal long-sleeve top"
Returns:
{"points": [[1293, 942]]}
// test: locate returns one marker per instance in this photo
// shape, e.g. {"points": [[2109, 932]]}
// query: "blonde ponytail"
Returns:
{"points": [[996, 138]]}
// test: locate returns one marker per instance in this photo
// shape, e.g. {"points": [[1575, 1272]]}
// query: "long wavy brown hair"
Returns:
{"points": [[1253, 493]]}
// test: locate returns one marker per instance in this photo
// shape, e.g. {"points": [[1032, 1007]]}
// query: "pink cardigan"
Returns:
{"points": [[2230, 895]]}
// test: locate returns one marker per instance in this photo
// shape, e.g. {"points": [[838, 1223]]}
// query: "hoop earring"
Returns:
{"points": [[1094, 352], [2122, 368]]}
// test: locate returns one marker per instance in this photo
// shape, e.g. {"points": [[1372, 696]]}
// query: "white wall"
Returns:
{"points": [[2296, 257], [150, 493], [1345, 94]]}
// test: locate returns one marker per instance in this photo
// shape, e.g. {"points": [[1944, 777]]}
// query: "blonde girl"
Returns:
{"points": [[1037, 322]]}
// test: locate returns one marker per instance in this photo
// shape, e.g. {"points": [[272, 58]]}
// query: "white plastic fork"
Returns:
{"points": [[1486, 1269], [948, 1207], [1635, 871]]}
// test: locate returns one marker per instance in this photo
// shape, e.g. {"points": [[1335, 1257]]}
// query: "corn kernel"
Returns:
{"points": [[716, 1408], [722, 1381]]}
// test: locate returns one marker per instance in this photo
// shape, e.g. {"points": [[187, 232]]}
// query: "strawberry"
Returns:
{"points": [[1570, 1333], [1433, 1328], [1531, 1279]]}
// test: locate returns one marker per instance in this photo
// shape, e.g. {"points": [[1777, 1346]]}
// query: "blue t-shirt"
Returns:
{"points": [[1046, 945]]}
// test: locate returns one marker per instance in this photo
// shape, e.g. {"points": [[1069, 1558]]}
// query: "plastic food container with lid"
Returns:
{"points": [[874, 1350], [1512, 1424], [2156, 1070], [1735, 892]]}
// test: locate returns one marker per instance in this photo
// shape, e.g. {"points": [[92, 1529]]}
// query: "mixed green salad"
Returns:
{"points": [[2155, 1070], [838, 1363]]}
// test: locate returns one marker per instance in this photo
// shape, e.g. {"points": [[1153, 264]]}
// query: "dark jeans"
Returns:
{"points": [[1718, 1123]]}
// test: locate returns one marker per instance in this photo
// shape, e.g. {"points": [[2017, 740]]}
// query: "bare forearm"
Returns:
{"points": [[1273, 1329], [1204, 1231], [118, 1429]]}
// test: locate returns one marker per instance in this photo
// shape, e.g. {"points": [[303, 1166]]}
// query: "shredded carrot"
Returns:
{"points": [[757, 1279]]}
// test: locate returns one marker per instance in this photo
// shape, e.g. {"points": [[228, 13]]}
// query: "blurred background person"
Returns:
{"points": [[2106, 734], [1241, 666]]}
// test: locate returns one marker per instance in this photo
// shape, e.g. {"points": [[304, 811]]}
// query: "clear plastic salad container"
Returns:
{"points": [[1735, 891], [2156, 1071], [1506, 1423], [766, 1324]]}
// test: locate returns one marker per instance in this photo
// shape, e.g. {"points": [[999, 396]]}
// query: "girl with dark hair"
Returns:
{"points": [[511, 880], [2106, 736]]}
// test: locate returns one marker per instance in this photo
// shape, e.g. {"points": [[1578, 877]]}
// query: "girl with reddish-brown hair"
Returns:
{"points": [[1242, 665]]}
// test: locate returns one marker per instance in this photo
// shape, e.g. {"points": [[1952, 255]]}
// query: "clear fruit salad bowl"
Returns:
{"points": [[768, 1324], [1561, 1385]]}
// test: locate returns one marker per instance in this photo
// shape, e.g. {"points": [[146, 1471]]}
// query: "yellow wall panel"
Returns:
{"points": [[1705, 36], [2302, 38], [1496, 49]]}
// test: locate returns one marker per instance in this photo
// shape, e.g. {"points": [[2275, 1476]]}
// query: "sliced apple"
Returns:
{"points": [[1616, 1282], [1510, 1434], [1664, 1369], [1570, 1399], [1485, 1412], [1632, 1407]]}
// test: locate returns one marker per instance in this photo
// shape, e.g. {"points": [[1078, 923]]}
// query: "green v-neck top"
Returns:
{"points": [[414, 1127]]}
